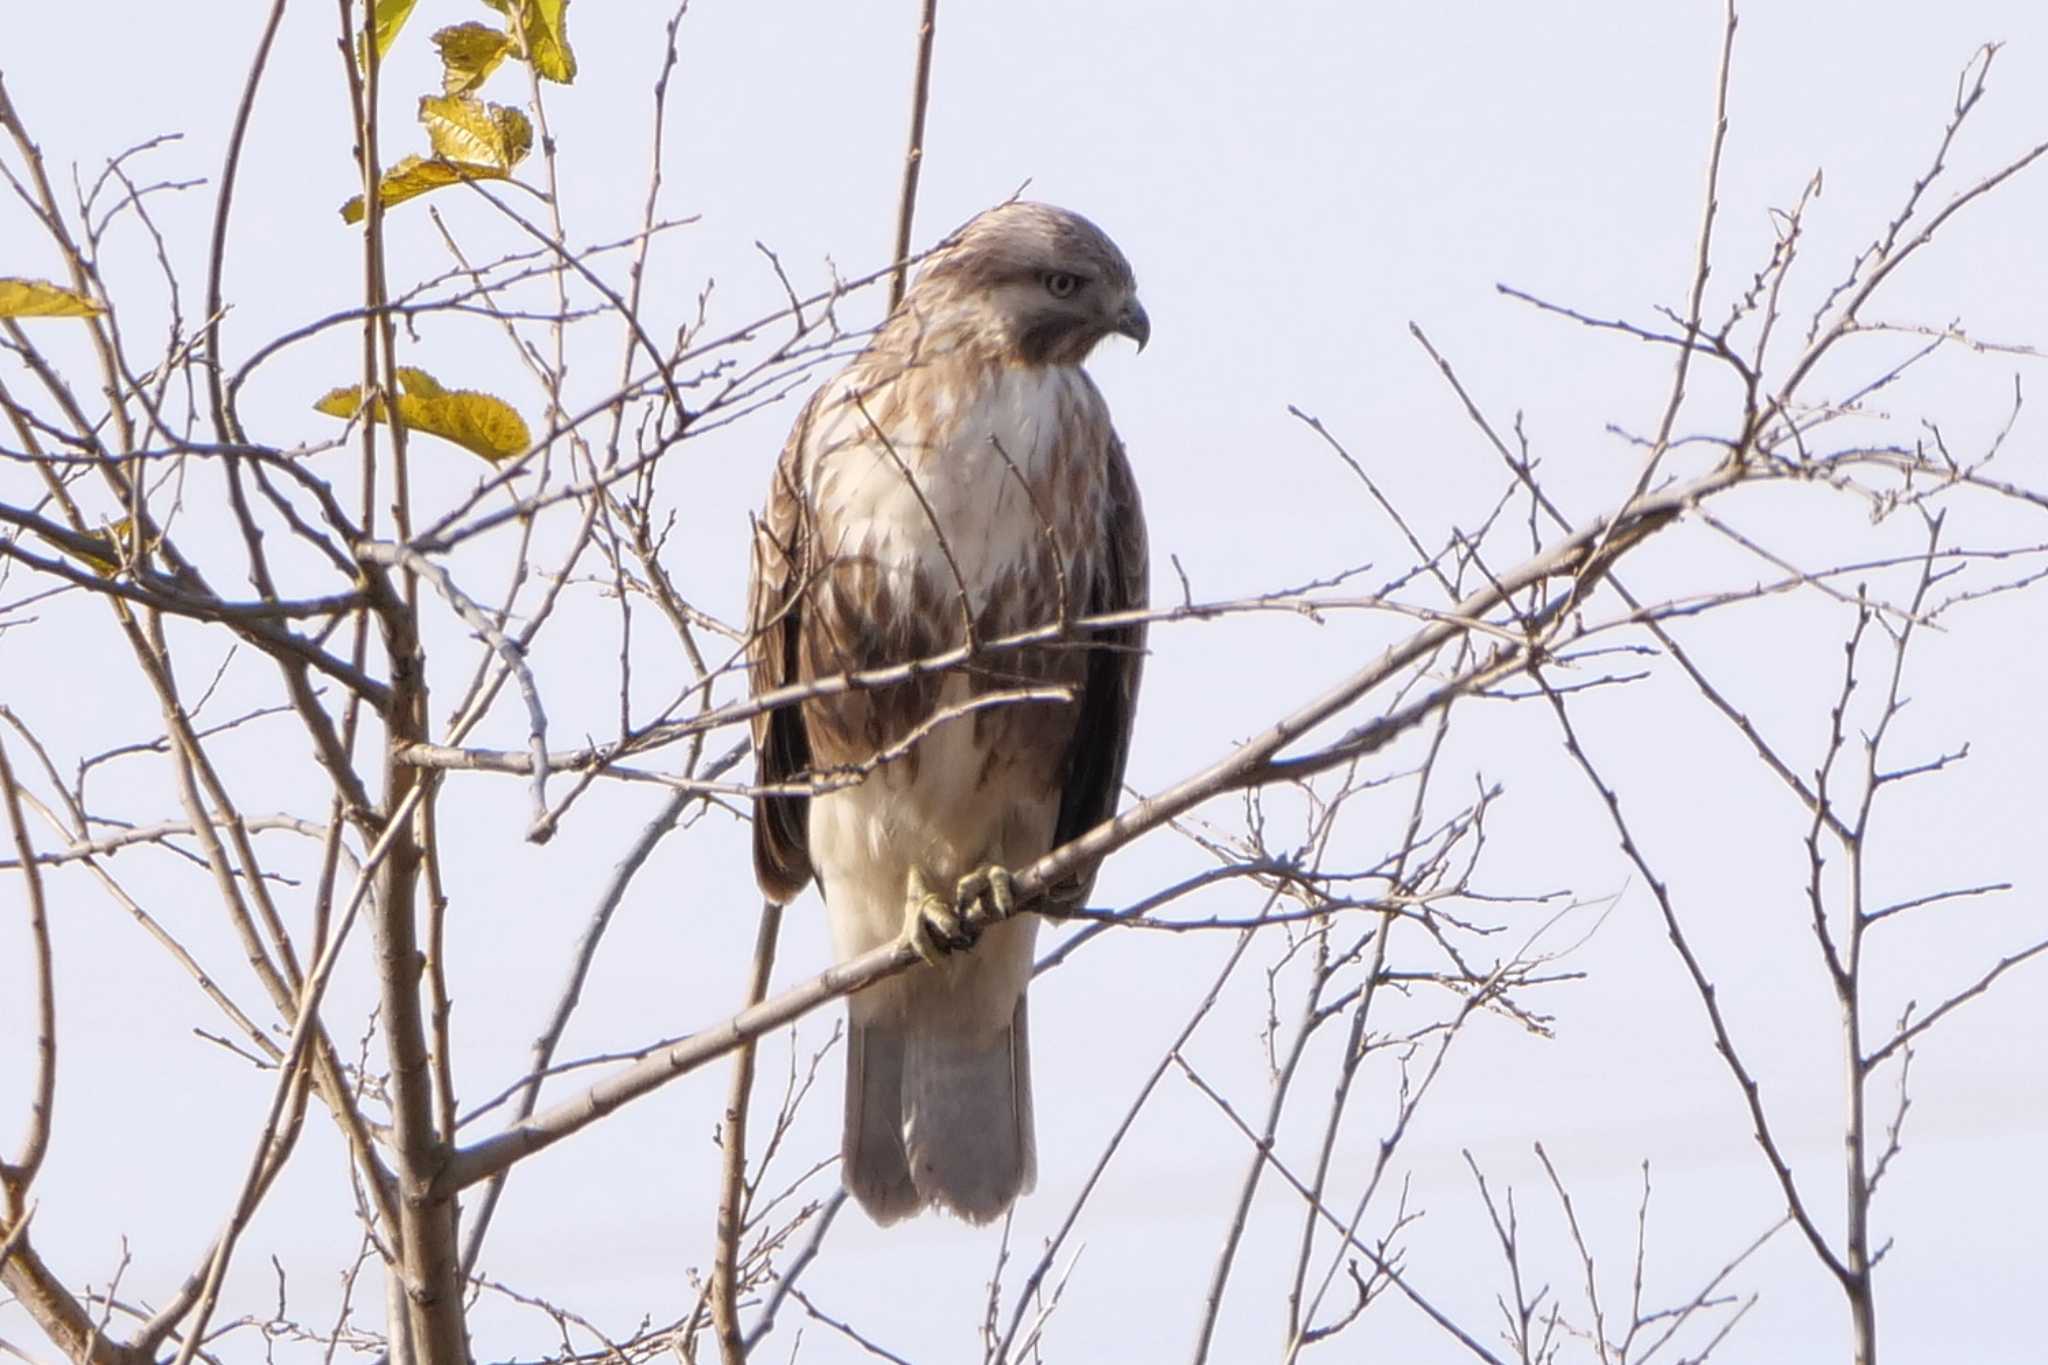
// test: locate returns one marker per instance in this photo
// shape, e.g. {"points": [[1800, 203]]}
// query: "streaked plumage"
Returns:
{"points": [[964, 456]]}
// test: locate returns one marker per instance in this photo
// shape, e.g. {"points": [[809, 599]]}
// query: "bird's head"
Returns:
{"points": [[1037, 283]]}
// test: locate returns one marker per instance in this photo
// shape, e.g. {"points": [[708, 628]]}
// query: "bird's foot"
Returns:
{"points": [[984, 896], [930, 924], [934, 926]]}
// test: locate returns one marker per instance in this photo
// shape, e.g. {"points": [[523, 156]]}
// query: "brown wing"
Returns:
{"points": [[782, 750], [1109, 698]]}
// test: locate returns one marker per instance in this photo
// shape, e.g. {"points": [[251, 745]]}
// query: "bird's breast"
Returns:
{"points": [[964, 480]]}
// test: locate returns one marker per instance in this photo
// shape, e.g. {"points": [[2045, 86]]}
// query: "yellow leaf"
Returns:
{"points": [[342, 402], [40, 299], [105, 568], [515, 134], [115, 536], [390, 17], [469, 53], [416, 176], [545, 24], [419, 383], [460, 129], [466, 130], [478, 422]]}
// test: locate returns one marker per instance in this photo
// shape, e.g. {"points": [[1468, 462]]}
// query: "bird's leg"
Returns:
{"points": [[931, 926], [984, 896]]}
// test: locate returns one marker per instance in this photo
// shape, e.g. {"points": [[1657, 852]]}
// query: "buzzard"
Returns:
{"points": [[957, 483]]}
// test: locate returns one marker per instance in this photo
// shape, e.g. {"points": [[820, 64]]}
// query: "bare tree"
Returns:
{"points": [[407, 632]]}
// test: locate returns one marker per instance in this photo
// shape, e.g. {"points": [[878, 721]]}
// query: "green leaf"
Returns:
{"points": [[545, 25], [415, 176], [470, 53], [41, 299], [465, 130], [479, 422]]}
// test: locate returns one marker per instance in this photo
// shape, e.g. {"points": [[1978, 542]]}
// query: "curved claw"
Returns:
{"points": [[934, 926], [931, 926], [984, 896]]}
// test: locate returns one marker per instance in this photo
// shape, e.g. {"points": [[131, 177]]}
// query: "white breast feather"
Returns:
{"points": [[865, 838], [985, 514]]}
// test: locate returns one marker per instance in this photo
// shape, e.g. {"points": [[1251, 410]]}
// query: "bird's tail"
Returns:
{"points": [[937, 1116], [872, 1161]]}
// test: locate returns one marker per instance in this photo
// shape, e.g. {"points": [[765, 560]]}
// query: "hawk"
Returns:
{"points": [[958, 482]]}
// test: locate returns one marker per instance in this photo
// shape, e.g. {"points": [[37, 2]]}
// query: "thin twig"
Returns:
{"points": [[734, 1195], [913, 160]]}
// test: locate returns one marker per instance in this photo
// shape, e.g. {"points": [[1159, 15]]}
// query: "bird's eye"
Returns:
{"points": [[1061, 285]]}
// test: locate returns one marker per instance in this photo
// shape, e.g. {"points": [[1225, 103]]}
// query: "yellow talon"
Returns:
{"points": [[984, 896], [934, 926], [929, 924]]}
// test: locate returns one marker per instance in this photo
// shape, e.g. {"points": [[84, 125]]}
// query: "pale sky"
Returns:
{"points": [[1294, 185]]}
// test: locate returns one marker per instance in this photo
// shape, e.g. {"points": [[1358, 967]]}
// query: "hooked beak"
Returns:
{"points": [[1133, 323]]}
